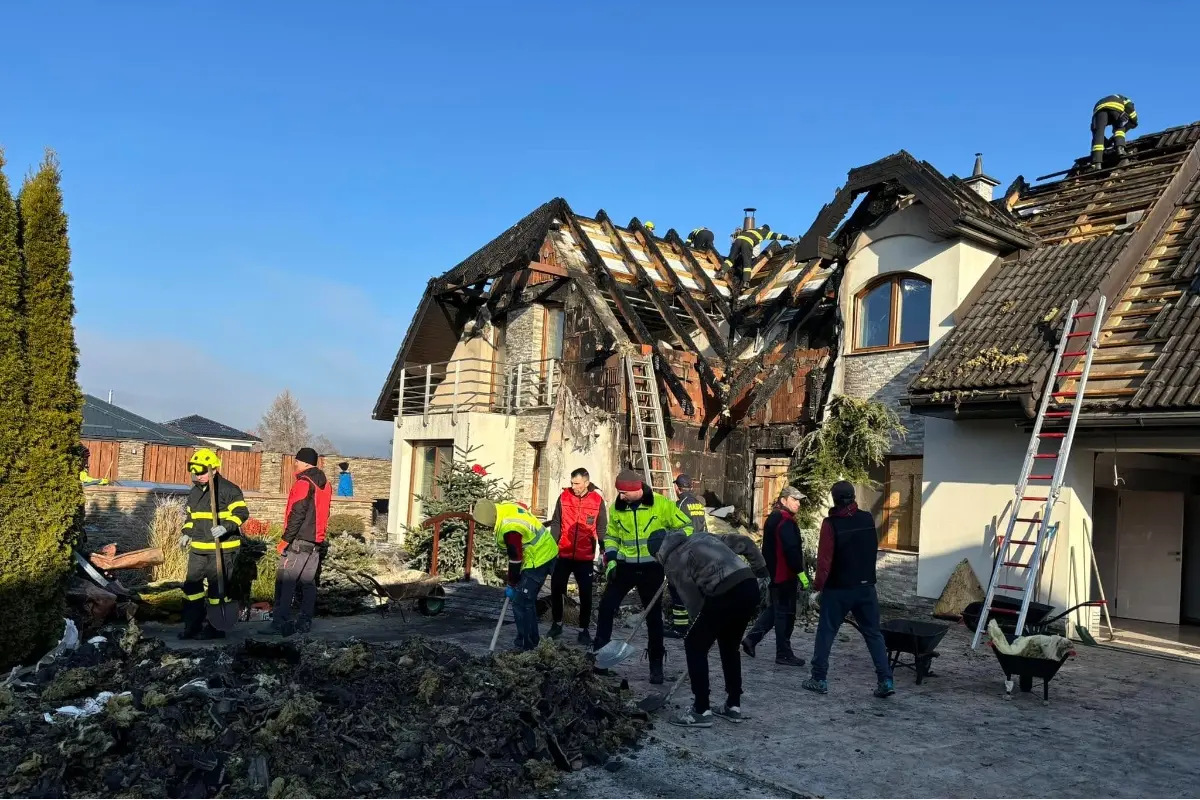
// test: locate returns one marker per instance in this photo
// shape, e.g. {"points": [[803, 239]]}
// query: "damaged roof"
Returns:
{"points": [[1127, 232]]}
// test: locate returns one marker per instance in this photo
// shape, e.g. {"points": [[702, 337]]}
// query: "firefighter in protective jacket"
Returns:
{"points": [[1116, 110], [202, 535]]}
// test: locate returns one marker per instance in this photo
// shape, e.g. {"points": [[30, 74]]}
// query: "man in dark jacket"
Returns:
{"points": [[785, 562], [580, 520], [688, 503], [846, 581], [721, 594], [305, 521]]}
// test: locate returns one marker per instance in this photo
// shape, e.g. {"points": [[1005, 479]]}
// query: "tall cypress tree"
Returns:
{"points": [[14, 391], [51, 456]]}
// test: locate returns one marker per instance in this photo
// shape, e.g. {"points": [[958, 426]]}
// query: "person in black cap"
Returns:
{"points": [[304, 524], [678, 621], [846, 581]]}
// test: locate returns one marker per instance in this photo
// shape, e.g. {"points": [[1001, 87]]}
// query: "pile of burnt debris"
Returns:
{"points": [[125, 716]]}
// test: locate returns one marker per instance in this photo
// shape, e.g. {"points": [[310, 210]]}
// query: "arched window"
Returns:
{"points": [[892, 312]]}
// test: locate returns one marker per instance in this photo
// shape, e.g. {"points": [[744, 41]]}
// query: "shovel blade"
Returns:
{"points": [[223, 616], [613, 653], [652, 703]]}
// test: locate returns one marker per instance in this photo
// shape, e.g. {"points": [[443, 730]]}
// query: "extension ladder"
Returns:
{"points": [[1067, 405], [649, 439]]}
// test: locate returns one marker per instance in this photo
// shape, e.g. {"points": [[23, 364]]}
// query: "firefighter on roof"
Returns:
{"points": [[1116, 110], [701, 239], [746, 246], [202, 535]]}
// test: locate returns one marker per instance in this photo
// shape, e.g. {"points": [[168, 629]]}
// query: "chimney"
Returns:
{"points": [[748, 222], [980, 183]]}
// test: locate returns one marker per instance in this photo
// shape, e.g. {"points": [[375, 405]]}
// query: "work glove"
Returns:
{"points": [[218, 531], [786, 239], [805, 584], [608, 569], [185, 542], [282, 547], [510, 592]]}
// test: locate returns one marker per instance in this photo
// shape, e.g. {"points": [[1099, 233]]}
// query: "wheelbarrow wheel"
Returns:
{"points": [[433, 603]]}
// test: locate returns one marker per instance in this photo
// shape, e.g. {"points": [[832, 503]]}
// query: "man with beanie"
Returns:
{"points": [[580, 520], [721, 594], [690, 505], [846, 581], [785, 563], [304, 524], [635, 516], [532, 552]]}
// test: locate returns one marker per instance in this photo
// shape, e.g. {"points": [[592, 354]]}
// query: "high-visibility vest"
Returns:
{"points": [[628, 536], [538, 544]]}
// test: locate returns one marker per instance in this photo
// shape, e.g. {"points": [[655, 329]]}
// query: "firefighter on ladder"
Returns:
{"points": [[1116, 110], [202, 535], [746, 246]]}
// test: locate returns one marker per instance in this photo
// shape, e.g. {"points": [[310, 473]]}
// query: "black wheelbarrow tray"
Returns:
{"points": [[1005, 611], [1027, 669], [910, 637]]}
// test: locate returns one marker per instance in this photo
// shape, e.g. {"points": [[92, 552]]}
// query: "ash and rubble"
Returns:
{"points": [[301, 718]]}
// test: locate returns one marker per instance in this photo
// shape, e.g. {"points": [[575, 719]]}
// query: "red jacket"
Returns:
{"points": [[578, 522], [307, 514]]}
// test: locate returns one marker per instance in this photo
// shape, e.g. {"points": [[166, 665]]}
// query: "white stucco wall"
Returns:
{"points": [[970, 475], [494, 434]]}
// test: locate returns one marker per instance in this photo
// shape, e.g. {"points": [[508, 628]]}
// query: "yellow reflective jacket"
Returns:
{"points": [[536, 541], [629, 528]]}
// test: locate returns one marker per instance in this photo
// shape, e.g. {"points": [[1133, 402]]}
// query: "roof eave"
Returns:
{"points": [[382, 410]]}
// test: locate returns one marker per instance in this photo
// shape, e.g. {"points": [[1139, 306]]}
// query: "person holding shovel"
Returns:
{"points": [[532, 552], [305, 521], [635, 516], [201, 537], [721, 594]]}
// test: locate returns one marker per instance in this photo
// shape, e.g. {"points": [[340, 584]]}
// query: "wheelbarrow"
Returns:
{"points": [[426, 592], [910, 637], [1005, 611], [1027, 669]]}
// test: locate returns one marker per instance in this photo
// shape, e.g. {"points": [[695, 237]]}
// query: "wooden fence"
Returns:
{"points": [[102, 458], [287, 472], [168, 464]]}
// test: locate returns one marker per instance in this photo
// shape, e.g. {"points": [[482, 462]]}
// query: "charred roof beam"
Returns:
{"points": [[701, 276], [662, 367]]}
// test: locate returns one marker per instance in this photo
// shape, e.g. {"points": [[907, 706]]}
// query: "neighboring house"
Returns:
{"points": [[1129, 233], [117, 439], [216, 434]]}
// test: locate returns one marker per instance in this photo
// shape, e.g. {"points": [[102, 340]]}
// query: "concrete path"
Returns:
{"points": [[1118, 725]]}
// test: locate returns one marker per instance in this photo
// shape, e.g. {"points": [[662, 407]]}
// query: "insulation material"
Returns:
{"points": [[961, 590]]}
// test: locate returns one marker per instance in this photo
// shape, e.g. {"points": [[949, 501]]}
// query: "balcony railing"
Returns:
{"points": [[476, 384]]}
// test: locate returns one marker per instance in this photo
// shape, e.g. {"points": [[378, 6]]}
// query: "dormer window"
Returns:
{"points": [[892, 313]]}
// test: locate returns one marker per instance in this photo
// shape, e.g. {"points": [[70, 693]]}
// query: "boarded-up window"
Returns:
{"points": [[431, 461], [770, 476], [900, 518], [535, 491]]}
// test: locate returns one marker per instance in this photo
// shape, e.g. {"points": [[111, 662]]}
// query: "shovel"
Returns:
{"points": [[656, 701], [223, 614], [499, 624], [614, 653]]}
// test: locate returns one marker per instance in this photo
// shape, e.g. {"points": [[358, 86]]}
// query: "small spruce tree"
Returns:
{"points": [[51, 517]]}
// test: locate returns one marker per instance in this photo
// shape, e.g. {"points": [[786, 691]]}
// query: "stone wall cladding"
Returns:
{"points": [[131, 460], [523, 334], [531, 428], [885, 378], [123, 515], [372, 476], [896, 581]]}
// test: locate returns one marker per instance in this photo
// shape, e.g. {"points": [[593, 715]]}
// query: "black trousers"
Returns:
{"points": [[583, 572], [646, 578], [202, 569], [779, 614], [722, 620], [703, 240], [297, 569], [1101, 120]]}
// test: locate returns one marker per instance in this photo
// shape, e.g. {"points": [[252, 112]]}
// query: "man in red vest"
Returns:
{"points": [[784, 555], [305, 520], [580, 520]]}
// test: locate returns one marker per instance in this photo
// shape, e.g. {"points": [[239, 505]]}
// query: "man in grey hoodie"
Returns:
{"points": [[721, 595]]}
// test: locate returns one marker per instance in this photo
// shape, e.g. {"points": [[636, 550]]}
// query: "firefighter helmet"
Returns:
{"points": [[202, 461], [649, 225]]}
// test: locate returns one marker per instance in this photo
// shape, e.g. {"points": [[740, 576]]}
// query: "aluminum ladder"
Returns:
{"points": [[1067, 405], [649, 439]]}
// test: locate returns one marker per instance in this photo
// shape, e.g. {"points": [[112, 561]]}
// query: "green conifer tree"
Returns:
{"points": [[14, 390], [52, 515]]}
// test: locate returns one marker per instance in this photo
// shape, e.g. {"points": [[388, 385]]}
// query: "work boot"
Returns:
{"points": [[555, 631], [818, 686], [303, 625], [656, 673], [584, 638], [748, 647], [209, 632], [790, 660], [885, 688]]}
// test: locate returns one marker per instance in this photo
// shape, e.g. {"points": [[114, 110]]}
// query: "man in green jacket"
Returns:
{"points": [[636, 514]]}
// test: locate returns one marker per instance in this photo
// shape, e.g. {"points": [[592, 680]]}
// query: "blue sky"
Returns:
{"points": [[259, 191]]}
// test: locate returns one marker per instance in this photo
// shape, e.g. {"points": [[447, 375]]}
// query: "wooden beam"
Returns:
{"points": [[702, 277], [778, 307], [662, 367], [697, 313]]}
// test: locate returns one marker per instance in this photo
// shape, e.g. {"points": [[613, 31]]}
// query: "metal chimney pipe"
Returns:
{"points": [[748, 222]]}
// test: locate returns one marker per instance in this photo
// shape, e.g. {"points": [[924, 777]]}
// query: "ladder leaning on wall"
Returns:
{"points": [[1010, 574], [648, 437]]}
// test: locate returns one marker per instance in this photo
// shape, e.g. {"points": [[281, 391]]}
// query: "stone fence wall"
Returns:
{"points": [[123, 514]]}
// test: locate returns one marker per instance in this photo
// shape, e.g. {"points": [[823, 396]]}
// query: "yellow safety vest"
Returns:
{"points": [[537, 542]]}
